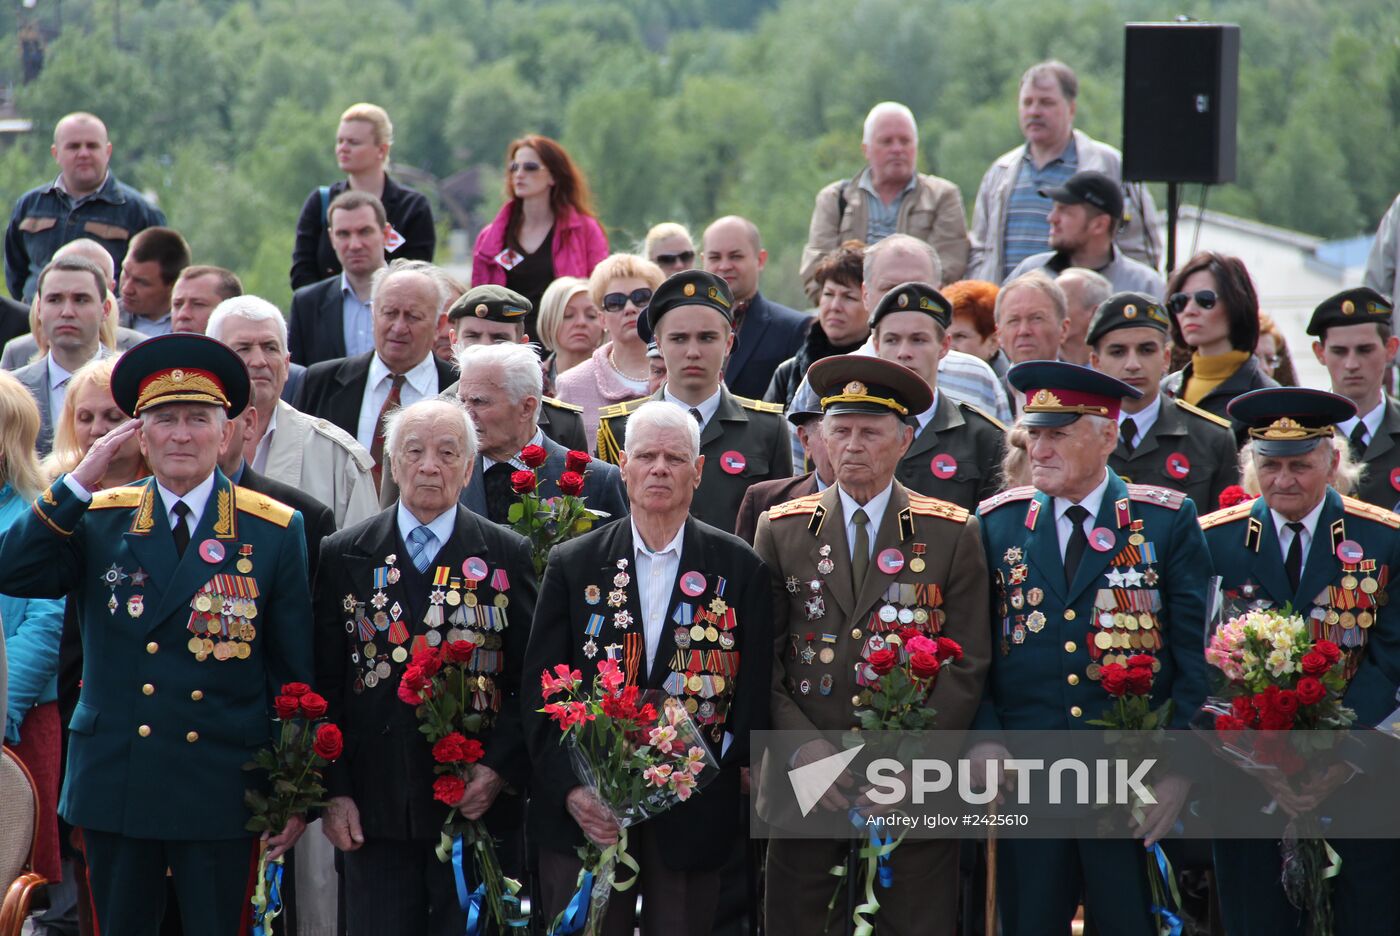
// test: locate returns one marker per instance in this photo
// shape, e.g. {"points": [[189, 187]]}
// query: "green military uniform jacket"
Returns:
{"points": [[957, 456], [181, 654], [744, 442], [1187, 449], [1380, 479]]}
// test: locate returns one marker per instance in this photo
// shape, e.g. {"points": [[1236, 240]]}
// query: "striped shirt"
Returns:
{"points": [[1027, 212]]}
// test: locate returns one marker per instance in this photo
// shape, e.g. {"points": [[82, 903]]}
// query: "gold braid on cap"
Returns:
{"points": [[866, 398], [1046, 402], [1287, 429], [179, 386]]}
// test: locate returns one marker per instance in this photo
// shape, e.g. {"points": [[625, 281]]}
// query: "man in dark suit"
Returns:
{"points": [[501, 388], [765, 333], [658, 566], [385, 584], [331, 318], [765, 494], [14, 319], [355, 393]]}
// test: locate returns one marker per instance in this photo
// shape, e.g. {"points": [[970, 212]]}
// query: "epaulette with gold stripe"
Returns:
{"points": [[117, 497], [926, 506], [758, 406], [560, 404], [621, 409], [1204, 414], [1152, 494], [1228, 515], [985, 415], [1359, 508], [801, 506], [1024, 492], [262, 506]]}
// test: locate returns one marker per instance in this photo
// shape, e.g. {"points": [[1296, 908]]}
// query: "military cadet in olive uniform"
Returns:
{"points": [[1161, 441], [1087, 571], [851, 564], [743, 440], [957, 449], [1331, 558], [194, 609], [1356, 343]]}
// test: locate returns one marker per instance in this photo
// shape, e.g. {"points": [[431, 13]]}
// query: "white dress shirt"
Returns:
{"points": [[420, 385], [1285, 535], [874, 510], [1371, 420], [196, 500], [58, 388], [707, 408], [656, 580], [440, 526], [1144, 420], [1064, 526], [926, 417]]}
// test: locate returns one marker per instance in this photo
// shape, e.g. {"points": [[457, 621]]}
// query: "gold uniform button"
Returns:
{"points": [[855, 700], [192, 737], [1069, 614], [1072, 679], [152, 647], [1076, 711], [148, 689], [144, 731], [1070, 646], [197, 694]]}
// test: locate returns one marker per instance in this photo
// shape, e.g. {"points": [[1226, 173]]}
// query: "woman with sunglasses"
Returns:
{"points": [[1215, 313], [621, 286], [670, 246], [546, 228]]}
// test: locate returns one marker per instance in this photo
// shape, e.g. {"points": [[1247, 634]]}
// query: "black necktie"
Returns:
{"points": [[1293, 562], [1358, 441], [181, 529], [1128, 429], [499, 495], [1078, 542], [699, 420]]}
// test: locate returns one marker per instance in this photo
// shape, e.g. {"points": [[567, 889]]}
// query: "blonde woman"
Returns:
{"points": [[362, 144], [89, 413], [570, 327]]}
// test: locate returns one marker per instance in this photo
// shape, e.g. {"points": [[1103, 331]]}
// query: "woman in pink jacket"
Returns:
{"points": [[546, 228]]}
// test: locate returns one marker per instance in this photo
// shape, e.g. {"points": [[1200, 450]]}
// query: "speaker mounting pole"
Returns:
{"points": [[1173, 208]]}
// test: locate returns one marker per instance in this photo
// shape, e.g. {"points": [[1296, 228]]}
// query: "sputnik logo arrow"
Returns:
{"points": [[811, 782]]}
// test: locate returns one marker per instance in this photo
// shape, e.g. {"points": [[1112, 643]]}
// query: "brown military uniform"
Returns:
{"points": [[947, 595]]}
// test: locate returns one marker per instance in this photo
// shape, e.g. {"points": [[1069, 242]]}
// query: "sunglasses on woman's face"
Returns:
{"points": [[685, 256], [527, 166], [616, 302], [1205, 298]]}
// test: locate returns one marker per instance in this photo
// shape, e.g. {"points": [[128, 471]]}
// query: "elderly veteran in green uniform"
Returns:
{"points": [[194, 609], [957, 449], [865, 557], [1087, 570], [744, 441], [1329, 558], [1356, 343], [1162, 441]]}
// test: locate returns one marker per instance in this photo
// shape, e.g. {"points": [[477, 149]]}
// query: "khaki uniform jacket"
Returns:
{"points": [[932, 212], [326, 462]]}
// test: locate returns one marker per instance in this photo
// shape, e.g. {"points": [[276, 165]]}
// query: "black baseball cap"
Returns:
{"points": [[1089, 188]]}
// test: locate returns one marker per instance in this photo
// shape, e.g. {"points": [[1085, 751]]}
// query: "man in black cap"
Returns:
{"points": [[1162, 441], [1076, 557], [1303, 548], [175, 695], [846, 564], [957, 448], [744, 441], [765, 494], [1356, 343], [1088, 210]]}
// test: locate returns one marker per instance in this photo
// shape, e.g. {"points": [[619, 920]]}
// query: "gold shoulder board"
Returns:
{"points": [[802, 506], [984, 414], [1152, 494], [1011, 495], [260, 505], [1358, 508], [1197, 411], [117, 497], [933, 507], [560, 404], [758, 406], [1228, 515]]}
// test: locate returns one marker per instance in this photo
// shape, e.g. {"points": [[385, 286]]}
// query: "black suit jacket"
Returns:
{"points": [[316, 325], [317, 518], [769, 335], [602, 485], [709, 821], [14, 320], [333, 390], [388, 765]]}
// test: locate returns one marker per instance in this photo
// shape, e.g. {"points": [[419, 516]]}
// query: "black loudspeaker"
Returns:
{"points": [[1180, 98]]}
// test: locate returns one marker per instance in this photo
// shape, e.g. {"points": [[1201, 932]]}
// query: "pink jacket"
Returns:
{"points": [[577, 246], [593, 385]]}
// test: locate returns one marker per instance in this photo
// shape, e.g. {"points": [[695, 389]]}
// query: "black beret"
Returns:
{"points": [[1127, 310], [1360, 306], [914, 297]]}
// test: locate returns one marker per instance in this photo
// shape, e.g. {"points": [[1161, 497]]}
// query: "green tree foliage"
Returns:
{"points": [[676, 109]]}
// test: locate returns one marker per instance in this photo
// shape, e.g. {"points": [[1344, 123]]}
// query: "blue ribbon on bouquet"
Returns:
{"points": [[272, 874], [576, 913], [470, 902], [1172, 920]]}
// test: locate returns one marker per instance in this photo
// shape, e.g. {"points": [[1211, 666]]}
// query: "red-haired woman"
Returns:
{"points": [[546, 228]]}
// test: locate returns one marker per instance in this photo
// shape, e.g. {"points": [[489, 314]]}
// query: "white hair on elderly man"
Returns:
{"points": [[394, 424], [659, 416], [403, 266], [248, 308], [520, 368]]}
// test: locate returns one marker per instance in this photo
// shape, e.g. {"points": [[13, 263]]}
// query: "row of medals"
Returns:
{"points": [[1346, 627], [237, 633]]}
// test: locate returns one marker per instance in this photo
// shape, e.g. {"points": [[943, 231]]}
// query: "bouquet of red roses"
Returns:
{"points": [[1282, 702], [640, 753], [439, 684], [305, 744], [547, 522]]}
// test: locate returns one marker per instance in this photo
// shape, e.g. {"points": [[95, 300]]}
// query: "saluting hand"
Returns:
{"points": [[480, 793], [93, 467], [341, 823]]}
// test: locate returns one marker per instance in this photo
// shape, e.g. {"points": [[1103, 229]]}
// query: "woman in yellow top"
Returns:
{"points": [[1215, 313]]}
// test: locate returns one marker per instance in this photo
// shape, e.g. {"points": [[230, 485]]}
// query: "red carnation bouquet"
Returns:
{"points": [[305, 744], [548, 521], [639, 752], [439, 684], [1280, 707], [1234, 494]]}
